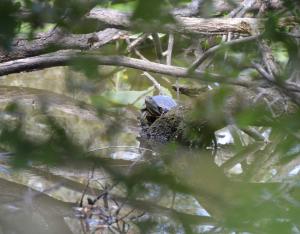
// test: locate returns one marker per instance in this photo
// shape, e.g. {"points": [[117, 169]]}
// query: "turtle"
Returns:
{"points": [[155, 106]]}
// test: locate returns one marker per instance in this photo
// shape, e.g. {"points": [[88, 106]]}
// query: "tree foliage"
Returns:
{"points": [[244, 53]]}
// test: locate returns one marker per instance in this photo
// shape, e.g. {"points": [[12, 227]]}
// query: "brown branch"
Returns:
{"points": [[157, 46], [170, 49], [191, 9], [188, 25], [64, 58], [225, 5], [56, 40], [283, 86], [268, 58], [243, 8], [212, 50], [132, 45], [153, 80]]}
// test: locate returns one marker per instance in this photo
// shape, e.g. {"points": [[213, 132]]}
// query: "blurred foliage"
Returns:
{"points": [[147, 10], [88, 66], [54, 151], [9, 24], [235, 204]]}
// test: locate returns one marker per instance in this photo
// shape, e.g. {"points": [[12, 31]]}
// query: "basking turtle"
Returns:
{"points": [[155, 106], [163, 121]]}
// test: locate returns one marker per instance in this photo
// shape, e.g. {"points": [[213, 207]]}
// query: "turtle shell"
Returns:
{"points": [[165, 103]]}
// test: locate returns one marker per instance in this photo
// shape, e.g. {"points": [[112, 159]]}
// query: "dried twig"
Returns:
{"points": [[212, 50], [190, 9], [278, 83], [157, 46], [170, 48], [268, 58], [152, 79], [137, 41]]}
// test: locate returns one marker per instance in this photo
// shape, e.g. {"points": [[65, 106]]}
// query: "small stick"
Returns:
{"points": [[152, 79], [157, 45], [212, 50], [170, 48], [137, 41]]}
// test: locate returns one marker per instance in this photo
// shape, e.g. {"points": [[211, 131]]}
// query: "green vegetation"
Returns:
{"points": [[233, 68]]}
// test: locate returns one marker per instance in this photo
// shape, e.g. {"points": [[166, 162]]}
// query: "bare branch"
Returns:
{"points": [[137, 41], [212, 50], [157, 45], [263, 72], [191, 9], [283, 86], [183, 24], [268, 58], [225, 5], [170, 48], [135, 50], [56, 40], [243, 8], [152, 79], [64, 58]]}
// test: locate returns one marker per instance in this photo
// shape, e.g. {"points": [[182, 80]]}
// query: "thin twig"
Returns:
{"points": [[157, 45], [84, 192], [280, 84], [247, 4], [137, 41], [268, 58], [235, 11], [105, 191], [152, 79], [191, 9], [240, 11], [212, 50], [170, 48], [263, 72], [120, 146], [136, 51]]}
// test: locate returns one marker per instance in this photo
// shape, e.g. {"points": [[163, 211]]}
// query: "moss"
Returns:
{"points": [[176, 126]]}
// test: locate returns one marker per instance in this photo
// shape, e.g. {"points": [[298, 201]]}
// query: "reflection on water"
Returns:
{"points": [[52, 79], [121, 182], [214, 195], [69, 183], [28, 211]]}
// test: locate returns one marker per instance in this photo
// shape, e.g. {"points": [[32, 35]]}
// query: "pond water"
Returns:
{"points": [[29, 196], [103, 181]]}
